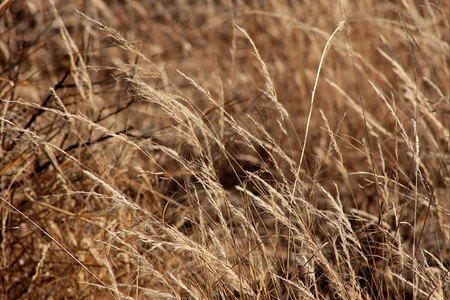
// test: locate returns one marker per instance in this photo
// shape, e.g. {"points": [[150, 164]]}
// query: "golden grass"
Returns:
{"points": [[224, 149]]}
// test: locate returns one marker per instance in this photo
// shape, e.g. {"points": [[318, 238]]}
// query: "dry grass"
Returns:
{"points": [[224, 149]]}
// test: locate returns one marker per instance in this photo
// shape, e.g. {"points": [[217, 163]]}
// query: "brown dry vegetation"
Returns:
{"points": [[224, 149]]}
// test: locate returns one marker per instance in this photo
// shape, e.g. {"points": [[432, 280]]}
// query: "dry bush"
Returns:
{"points": [[224, 149]]}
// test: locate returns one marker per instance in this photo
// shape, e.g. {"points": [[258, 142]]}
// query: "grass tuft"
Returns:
{"points": [[224, 150]]}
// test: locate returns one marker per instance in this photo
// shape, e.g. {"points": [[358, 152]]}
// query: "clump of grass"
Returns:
{"points": [[224, 150]]}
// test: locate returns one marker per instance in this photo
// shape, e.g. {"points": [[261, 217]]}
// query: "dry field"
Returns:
{"points": [[224, 149]]}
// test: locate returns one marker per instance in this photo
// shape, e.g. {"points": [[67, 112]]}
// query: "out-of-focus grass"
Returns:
{"points": [[224, 149]]}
